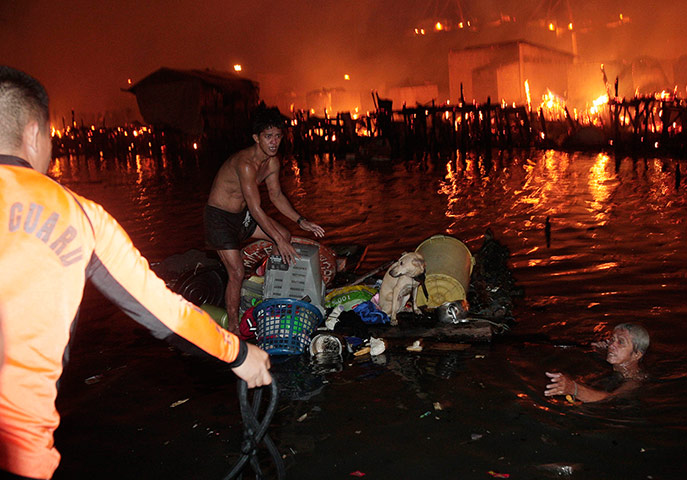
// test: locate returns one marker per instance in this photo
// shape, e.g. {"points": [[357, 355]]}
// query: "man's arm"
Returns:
{"points": [[121, 273], [255, 369], [282, 203], [251, 193], [562, 385]]}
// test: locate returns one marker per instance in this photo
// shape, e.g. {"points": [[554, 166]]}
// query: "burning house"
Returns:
{"points": [[412, 95], [332, 101], [499, 71], [205, 104]]}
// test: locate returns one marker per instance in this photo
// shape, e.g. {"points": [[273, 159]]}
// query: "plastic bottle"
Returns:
{"points": [[218, 314]]}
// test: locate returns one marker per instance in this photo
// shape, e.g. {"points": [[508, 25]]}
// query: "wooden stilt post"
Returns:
{"points": [[487, 128], [542, 120]]}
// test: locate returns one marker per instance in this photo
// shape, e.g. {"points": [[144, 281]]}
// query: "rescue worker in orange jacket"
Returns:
{"points": [[51, 241]]}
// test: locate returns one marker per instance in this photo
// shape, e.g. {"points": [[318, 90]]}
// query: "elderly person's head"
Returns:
{"points": [[628, 345], [639, 335]]}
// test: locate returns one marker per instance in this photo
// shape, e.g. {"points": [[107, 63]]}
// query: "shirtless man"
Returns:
{"points": [[234, 214], [626, 348]]}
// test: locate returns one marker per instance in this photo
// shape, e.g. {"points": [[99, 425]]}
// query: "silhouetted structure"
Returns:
{"points": [[212, 107], [499, 71]]}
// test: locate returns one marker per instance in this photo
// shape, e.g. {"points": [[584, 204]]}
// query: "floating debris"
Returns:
{"points": [[560, 468], [93, 379], [377, 346], [180, 402], [362, 351]]}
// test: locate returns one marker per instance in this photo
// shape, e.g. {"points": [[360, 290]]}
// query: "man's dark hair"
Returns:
{"points": [[22, 100], [267, 117]]}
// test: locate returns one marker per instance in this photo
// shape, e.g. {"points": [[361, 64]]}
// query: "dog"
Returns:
{"points": [[400, 284]]}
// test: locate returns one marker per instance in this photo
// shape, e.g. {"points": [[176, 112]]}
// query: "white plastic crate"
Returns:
{"points": [[303, 279]]}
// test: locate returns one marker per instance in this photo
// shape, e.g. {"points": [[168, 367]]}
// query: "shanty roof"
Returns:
{"points": [[195, 101], [222, 80]]}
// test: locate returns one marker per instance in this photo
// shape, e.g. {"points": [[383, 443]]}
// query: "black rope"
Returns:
{"points": [[255, 431]]}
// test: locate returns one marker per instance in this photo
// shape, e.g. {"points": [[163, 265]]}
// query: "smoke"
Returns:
{"points": [[85, 51]]}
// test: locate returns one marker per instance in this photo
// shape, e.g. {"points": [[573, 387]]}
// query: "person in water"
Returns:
{"points": [[625, 349], [51, 241], [233, 213]]}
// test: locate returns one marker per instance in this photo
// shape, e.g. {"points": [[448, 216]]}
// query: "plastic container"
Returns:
{"points": [[285, 325], [258, 251], [252, 287], [302, 278], [218, 314], [447, 275], [326, 343]]}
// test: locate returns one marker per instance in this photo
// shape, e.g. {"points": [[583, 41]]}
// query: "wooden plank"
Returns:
{"points": [[424, 345], [478, 331]]}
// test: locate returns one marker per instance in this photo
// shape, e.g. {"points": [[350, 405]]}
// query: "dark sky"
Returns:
{"points": [[84, 50]]}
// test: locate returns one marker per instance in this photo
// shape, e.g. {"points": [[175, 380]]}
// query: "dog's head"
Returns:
{"points": [[410, 264]]}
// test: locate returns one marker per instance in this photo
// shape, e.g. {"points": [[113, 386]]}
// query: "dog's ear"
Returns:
{"points": [[419, 262]]}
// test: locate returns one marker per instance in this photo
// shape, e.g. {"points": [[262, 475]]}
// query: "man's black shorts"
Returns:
{"points": [[226, 230]]}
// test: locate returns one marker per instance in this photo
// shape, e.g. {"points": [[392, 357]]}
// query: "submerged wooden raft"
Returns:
{"points": [[477, 331]]}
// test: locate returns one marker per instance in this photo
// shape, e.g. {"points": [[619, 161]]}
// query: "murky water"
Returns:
{"points": [[617, 252]]}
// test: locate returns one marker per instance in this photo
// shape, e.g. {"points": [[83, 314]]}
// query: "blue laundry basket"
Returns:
{"points": [[285, 325]]}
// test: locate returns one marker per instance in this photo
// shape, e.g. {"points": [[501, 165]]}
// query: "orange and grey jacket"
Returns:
{"points": [[51, 241]]}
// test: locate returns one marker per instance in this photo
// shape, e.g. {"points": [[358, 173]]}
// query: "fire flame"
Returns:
{"points": [[664, 95], [553, 105], [602, 100]]}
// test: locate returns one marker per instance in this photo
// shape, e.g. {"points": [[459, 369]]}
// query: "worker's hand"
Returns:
{"points": [[560, 385], [255, 369], [309, 226], [287, 252]]}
